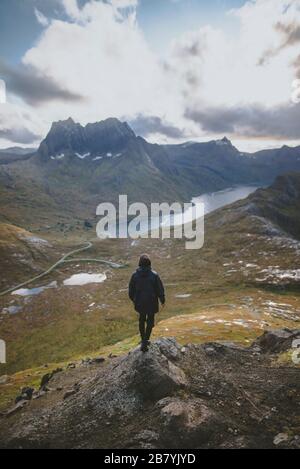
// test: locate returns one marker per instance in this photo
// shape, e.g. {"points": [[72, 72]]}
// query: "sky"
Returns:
{"points": [[175, 70]]}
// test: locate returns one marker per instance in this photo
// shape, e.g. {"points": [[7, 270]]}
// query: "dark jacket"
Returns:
{"points": [[145, 288]]}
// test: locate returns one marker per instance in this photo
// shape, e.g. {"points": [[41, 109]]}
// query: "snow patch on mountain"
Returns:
{"points": [[82, 156], [58, 157]]}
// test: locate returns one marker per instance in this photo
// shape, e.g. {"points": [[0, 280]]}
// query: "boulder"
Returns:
{"points": [[71, 366], [280, 439], [190, 420], [169, 347], [26, 395], [98, 360], [276, 341], [4, 379], [153, 375]]}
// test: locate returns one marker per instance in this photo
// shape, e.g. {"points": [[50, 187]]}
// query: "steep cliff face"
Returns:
{"points": [[280, 203], [205, 396]]}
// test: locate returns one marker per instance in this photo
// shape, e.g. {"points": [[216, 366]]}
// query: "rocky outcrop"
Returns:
{"points": [[197, 396], [154, 376], [276, 341]]}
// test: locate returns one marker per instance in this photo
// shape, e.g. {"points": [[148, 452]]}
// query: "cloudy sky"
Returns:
{"points": [[174, 69]]}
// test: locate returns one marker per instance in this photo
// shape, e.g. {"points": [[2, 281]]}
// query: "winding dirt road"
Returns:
{"points": [[63, 260]]}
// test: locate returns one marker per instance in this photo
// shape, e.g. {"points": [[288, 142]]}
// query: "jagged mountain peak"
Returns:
{"points": [[66, 123], [224, 141], [111, 125], [98, 139]]}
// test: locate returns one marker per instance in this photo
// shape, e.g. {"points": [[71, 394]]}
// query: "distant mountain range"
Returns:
{"points": [[77, 167], [9, 155], [17, 150]]}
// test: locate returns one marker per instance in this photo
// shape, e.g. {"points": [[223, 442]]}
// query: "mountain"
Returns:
{"points": [[98, 140], [185, 170], [77, 167], [12, 154], [218, 164], [279, 204], [104, 160], [198, 396], [17, 150]]}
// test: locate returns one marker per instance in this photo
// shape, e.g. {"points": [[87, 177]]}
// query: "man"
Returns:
{"points": [[145, 289]]}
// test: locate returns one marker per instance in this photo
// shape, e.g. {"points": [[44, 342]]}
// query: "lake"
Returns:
{"points": [[214, 200], [211, 201]]}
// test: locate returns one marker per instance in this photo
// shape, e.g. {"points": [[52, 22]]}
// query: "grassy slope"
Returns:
{"points": [[60, 323], [226, 301], [22, 254]]}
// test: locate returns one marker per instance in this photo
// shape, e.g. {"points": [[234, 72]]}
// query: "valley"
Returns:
{"points": [[149, 227], [243, 281]]}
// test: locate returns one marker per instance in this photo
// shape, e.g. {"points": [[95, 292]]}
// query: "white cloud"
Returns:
{"points": [[124, 3], [229, 71], [41, 18], [101, 53], [18, 125], [229, 75], [296, 92], [71, 8]]}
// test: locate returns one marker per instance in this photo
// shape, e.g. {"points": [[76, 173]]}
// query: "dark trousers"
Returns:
{"points": [[146, 324]]}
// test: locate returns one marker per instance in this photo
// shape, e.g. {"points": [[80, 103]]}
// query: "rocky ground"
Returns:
{"points": [[196, 396]]}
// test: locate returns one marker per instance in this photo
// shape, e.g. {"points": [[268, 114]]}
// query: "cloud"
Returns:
{"points": [[148, 125], [191, 44], [297, 66], [281, 122], [71, 8], [17, 126], [290, 33], [41, 18], [97, 50], [106, 58], [290, 36], [18, 135], [33, 86], [124, 3], [295, 98]]}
